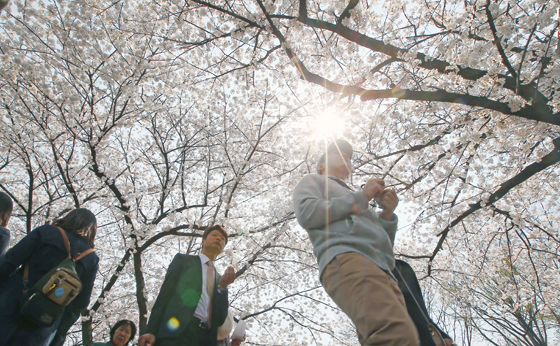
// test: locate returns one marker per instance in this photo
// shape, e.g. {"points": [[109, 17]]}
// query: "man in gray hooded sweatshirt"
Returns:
{"points": [[354, 247]]}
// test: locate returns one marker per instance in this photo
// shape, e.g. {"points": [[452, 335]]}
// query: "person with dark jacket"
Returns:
{"points": [[193, 300], [409, 286], [43, 249], [6, 207]]}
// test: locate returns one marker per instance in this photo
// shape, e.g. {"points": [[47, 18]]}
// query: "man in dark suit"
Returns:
{"points": [[193, 300]]}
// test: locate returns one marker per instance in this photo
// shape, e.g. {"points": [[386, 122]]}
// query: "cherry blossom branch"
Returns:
{"points": [[497, 41], [346, 13], [529, 91], [540, 112], [550, 159]]}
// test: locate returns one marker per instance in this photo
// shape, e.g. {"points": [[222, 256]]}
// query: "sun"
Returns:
{"points": [[328, 124]]}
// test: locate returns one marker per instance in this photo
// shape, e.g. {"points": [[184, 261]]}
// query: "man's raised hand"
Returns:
{"points": [[388, 202], [147, 340], [227, 278]]}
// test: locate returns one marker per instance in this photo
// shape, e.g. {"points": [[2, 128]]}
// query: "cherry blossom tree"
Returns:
{"points": [[463, 115], [164, 117]]}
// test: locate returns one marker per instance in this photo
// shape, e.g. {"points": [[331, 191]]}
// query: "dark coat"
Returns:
{"points": [[408, 283], [4, 241], [179, 297], [43, 248]]}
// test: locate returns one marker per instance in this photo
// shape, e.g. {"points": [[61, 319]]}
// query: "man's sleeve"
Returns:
{"points": [[220, 304], [314, 211], [169, 284], [390, 226]]}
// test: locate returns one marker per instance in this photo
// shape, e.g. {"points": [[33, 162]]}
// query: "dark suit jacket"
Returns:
{"points": [[408, 283], [4, 241], [179, 296]]}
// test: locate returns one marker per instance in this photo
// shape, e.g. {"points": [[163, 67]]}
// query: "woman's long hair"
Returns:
{"points": [[79, 221], [6, 207]]}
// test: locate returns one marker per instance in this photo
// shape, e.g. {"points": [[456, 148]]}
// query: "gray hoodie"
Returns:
{"points": [[339, 220]]}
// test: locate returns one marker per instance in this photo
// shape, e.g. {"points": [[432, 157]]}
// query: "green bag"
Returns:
{"points": [[47, 299]]}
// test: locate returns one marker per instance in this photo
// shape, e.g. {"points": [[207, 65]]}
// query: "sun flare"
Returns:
{"points": [[328, 124]]}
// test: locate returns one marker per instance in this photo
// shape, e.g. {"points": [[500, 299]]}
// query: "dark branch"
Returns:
{"points": [[548, 160]]}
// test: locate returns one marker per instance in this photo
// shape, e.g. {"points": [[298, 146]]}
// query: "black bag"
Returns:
{"points": [[47, 299]]}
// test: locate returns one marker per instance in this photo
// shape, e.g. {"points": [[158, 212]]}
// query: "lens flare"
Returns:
{"points": [[328, 124], [398, 92], [173, 323]]}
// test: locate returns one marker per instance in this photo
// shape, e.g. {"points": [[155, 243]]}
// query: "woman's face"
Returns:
{"points": [[122, 335]]}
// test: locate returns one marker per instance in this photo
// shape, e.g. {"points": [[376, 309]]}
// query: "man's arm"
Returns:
{"points": [[220, 306], [314, 211], [220, 300]]}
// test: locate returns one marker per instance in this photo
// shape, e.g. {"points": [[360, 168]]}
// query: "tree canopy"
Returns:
{"points": [[167, 116]]}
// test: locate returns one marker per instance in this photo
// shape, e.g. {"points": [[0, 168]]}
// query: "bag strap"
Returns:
{"points": [[66, 242], [26, 267], [436, 335], [79, 256], [67, 246], [341, 183]]}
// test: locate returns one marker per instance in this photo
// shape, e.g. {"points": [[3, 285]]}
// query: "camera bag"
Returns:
{"points": [[46, 300]]}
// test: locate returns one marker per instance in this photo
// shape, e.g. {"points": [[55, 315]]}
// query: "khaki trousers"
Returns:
{"points": [[372, 300]]}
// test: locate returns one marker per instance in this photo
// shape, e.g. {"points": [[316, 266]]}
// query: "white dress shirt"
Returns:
{"points": [[201, 311]]}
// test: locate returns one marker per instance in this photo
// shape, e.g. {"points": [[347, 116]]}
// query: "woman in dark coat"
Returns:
{"points": [[6, 206], [43, 249]]}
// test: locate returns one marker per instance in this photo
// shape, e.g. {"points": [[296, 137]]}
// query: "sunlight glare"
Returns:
{"points": [[328, 124]]}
